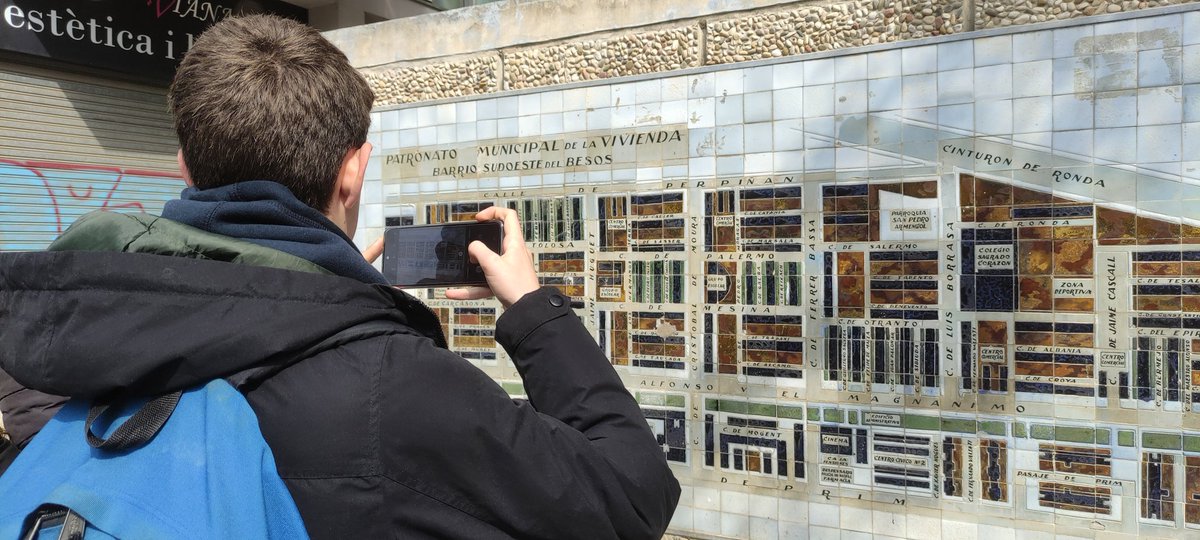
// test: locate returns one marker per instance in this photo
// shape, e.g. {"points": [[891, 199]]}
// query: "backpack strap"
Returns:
{"points": [[48, 516], [138, 429]]}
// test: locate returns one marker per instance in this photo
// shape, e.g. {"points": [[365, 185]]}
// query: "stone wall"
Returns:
{"points": [[778, 30]]}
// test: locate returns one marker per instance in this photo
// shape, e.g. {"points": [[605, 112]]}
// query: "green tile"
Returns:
{"points": [[795, 413], [1019, 430], [1125, 437], [730, 406], [916, 421], [853, 417], [762, 409], [676, 400], [649, 398], [513, 388], [1074, 434], [712, 405], [1191, 443], [833, 415], [814, 414], [1162, 441], [992, 427], [1103, 436], [959, 425], [1042, 431]]}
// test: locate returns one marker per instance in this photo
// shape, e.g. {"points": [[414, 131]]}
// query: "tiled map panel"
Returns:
{"points": [[948, 289]]}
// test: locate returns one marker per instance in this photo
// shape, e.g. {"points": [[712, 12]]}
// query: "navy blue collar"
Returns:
{"points": [[268, 214]]}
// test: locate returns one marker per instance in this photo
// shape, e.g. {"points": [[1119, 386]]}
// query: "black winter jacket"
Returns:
{"points": [[382, 435]]}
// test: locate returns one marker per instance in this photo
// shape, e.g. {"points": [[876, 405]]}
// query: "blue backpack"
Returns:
{"points": [[205, 473]]}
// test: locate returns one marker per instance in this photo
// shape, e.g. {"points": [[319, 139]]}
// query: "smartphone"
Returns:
{"points": [[436, 255]]}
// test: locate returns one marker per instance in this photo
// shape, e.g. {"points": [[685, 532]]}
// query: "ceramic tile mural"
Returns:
{"points": [[949, 289]]}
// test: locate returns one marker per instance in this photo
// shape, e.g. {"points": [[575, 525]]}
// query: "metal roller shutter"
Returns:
{"points": [[73, 143]]}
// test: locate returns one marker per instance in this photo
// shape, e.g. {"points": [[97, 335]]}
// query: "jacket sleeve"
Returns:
{"points": [[25, 411], [577, 461]]}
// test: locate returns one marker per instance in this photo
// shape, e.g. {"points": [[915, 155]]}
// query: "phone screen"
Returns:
{"points": [[436, 255]]}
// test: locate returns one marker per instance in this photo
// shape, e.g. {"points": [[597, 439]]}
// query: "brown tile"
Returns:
{"points": [[850, 263], [1029, 197], [966, 190], [993, 332], [1034, 257], [1035, 233], [1074, 304], [1147, 302], [1035, 293], [988, 193], [1156, 268], [1073, 257], [1114, 224], [1073, 232]]}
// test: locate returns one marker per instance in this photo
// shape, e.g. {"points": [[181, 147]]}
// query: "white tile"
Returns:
{"points": [[574, 121], [992, 532], [788, 75], [600, 118], [702, 142], [957, 116], [763, 529], [856, 519], [1191, 103], [734, 526], [1078, 142], [918, 60], [1033, 114], [959, 530], [465, 132], [885, 64], [426, 116], [376, 139], [649, 114], [388, 120], [1030, 46], [820, 125], [707, 521], [552, 101], [758, 79], [788, 134], [371, 215], [884, 94], [372, 192], [1072, 112], [1115, 71], [1160, 105], [622, 116], [509, 107], [447, 134], [674, 112], [1073, 41], [464, 112], [427, 135], [729, 110], [552, 124], [729, 82], [485, 109], [919, 91], [825, 515], [734, 502], [788, 103], [576, 98], [701, 112], [757, 137], [1191, 28], [729, 140], [701, 86], [485, 129], [599, 96], [446, 113], [1160, 67], [851, 157], [390, 140], [1032, 78], [821, 71], [955, 86], [1115, 36], [1159, 143], [791, 510], [730, 165], [795, 531], [682, 519], [1159, 32], [622, 94], [408, 118], [993, 117], [1190, 64], [819, 100], [1073, 75], [529, 126], [956, 55], [819, 159], [409, 138], [1116, 145], [702, 166], [757, 106], [758, 163], [528, 104], [993, 50], [1116, 109], [649, 91], [851, 97], [925, 527], [850, 68], [507, 127], [994, 82]]}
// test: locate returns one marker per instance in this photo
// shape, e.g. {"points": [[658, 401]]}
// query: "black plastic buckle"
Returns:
{"points": [[48, 516]]}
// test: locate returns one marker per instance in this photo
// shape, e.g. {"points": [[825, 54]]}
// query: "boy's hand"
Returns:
{"points": [[373, 251], [510, 276]]}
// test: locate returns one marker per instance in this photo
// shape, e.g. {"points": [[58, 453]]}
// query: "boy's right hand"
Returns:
{"points": [[510, 276]]}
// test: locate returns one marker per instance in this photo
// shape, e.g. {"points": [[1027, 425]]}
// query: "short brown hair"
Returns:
{"points": [[265, 98]]}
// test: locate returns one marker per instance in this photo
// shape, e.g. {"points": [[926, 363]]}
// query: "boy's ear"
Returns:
{"points": [[183, 170]]}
